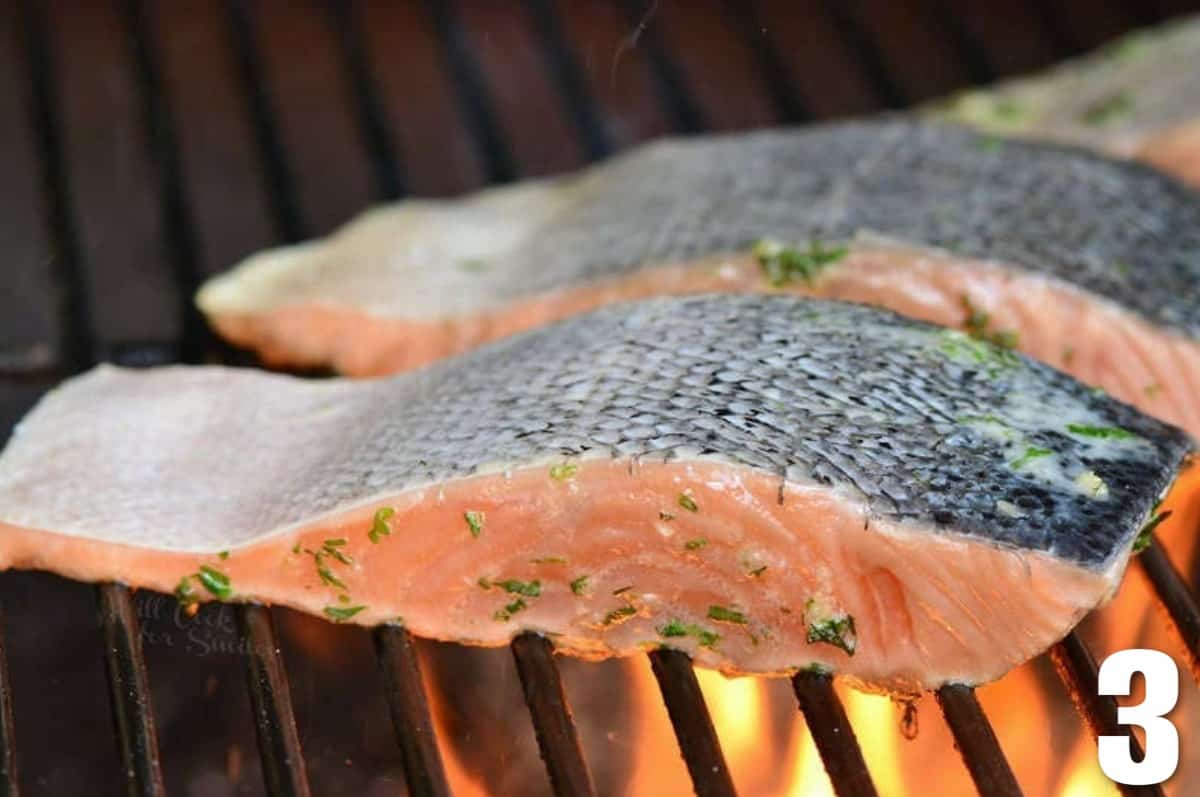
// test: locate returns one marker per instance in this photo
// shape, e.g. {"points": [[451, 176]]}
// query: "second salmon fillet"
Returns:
{"points": [[766, 482]]}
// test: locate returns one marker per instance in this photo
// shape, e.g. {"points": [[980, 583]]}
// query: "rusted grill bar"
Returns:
{"points": [[685, 113], [833, 735], [858, 42], [274, 721], [1077, 668], [129, 691], [8, 748], [784, 95], [1179, 601], [405, 690], [693, 726], [556, 734], [977, 742]]}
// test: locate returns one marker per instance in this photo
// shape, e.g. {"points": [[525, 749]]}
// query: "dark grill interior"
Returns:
{"points": [[149, 145]]}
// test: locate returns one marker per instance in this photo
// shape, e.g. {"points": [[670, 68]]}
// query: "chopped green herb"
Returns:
{"points": [[223, 555], [579, 585], [336, 542], [673, 628], [474, 522], [340, 614], [619, 615], [665, 515], [1068, 354], [484, 582], [688, 503], [505, 614], [296, 548], [343, 598], [1100, 432], [696, 544], [622, 590], [530, 589], [830, 628], [328, 577], [1153, 389], [185, 592], [1108, 109], [758, 571], [1092, 484], [725, 615], [379, 526], [1144, 537], [331, 547], [1031, 453], [964, 348], [783, 265], [977, 325], [989, 143], [563, 472], [215, 582], [817, 668], [548, 560], [677, 628]]}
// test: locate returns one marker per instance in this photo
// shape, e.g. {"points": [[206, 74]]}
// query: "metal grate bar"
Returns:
{"points": [[859, 42], [784, 94], [405, 689], [693, 726], [8, 749], [975, 739], [969, 51], [833, 735], [556, 734], [372, 114], [685, 114], [274, 721], [289, 223], [1176, 597], [481, 117], [564, 67], [1077, 669], [129, 691]]}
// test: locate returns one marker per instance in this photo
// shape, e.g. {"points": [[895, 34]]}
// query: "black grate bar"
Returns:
{"points": [[74, 311], [686, 115], [378, 139], [289, 223], [782, 89], [833, 735], [693, 726], [129, 691], [858, 41], [556, 735], [476, 104], [159, 123], [977, 742], [8, 749], [564, 67], [1065, 43], [274, 721], [405, 687], [1077, 669], [966, 46], [1176, 597]]}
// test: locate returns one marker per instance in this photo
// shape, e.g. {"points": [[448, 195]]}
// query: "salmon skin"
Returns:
{"points": [[769, 483], [1085, 262], [1136, 97]]}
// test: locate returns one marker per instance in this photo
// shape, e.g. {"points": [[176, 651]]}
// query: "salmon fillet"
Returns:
{"points": [[1136, 97], [769, 483], [1086, 263]]}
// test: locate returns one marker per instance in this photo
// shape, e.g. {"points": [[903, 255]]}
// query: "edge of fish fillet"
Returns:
{"points": [[929, 605]]}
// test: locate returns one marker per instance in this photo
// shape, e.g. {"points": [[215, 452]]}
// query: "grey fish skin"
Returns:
{"points": [[922, 424], [1115, 229]]}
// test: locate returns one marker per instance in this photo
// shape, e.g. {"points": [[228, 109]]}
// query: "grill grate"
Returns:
{"points": [[282, 759]]}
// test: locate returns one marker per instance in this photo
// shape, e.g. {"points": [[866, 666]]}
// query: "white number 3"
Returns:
{"points": [[1162, 739]]}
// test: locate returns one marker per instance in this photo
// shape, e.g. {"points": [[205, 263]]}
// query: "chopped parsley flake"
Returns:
{"points": [[1092, 484], [296, 548], [505, 614], [688, 503], [622, 590], [563, 472], [619, 615], [1099, 432], [783, 265], [1031, 453], [215, 582], [665, 515], [677, 628], [1153, 389], [379, 526], [758, 571], [223, 555], [724, 615], [327, 576], [830, 628], [696, 544], [1146, 535], [1108, 109], [964, 348], [184, 592], [530, 589], [340, 614], [331, 548], [977, 324], [579, 585], [474, 522], [548, 560]]}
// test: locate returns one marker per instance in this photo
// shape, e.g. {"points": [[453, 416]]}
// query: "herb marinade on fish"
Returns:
{"points": [[712, 472]]}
